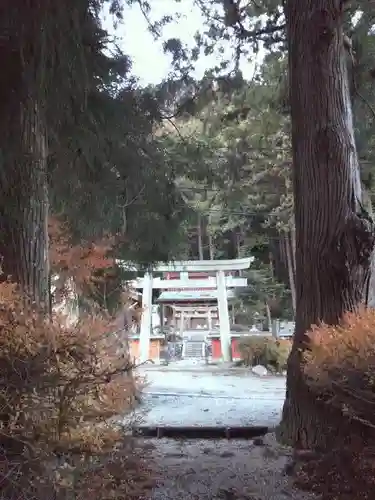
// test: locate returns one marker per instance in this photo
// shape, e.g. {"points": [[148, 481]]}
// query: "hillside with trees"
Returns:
{"points": [[324, 126]]}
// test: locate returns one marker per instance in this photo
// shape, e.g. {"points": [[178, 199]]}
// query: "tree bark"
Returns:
{"points": [[238, 243], [23, 148], [211, 246], [269, 317], [334, 241], [370, 292], [282, 250], [24, 204], [293, 239], [200, 237], [291, 268]]}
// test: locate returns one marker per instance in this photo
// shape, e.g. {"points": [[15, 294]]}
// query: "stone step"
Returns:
{"points": [[193, 349]]}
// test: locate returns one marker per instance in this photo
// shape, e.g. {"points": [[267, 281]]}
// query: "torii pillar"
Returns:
{"points": [[222, 302], [146, 319]]}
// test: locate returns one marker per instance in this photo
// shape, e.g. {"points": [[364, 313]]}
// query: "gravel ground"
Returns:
{"points": [[206, 398], [226, 470], [216, 469]]}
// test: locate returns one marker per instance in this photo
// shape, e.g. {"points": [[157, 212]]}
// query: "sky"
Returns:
{"points": [[150, 64]]}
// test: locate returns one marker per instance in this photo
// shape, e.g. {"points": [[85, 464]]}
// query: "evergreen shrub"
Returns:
{"points": [[267, 351]]}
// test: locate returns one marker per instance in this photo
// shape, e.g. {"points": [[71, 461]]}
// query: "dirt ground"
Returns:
{"points": [[226, 470]]}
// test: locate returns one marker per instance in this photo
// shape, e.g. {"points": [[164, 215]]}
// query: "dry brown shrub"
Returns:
{"points": [[340, 365], [62, 391], [340, 371], [340, 474]]}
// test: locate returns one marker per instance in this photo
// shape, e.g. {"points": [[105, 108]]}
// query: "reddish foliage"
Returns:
{"points": [[61, 392], [340, 370], [76, 261], [340, 365]]}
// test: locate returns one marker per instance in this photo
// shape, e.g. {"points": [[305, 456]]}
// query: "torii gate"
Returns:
{"points": [[220, 283]]}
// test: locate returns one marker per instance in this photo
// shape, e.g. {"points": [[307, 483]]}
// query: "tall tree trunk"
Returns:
{"points": [[23, 148], [282, 250], [200, 237], [271, 264], [239, 236], [291, 269], [238, 243], [334, 244], [293, 239], [370, 292], [269, 317], [24, 203], [211, 246]]}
